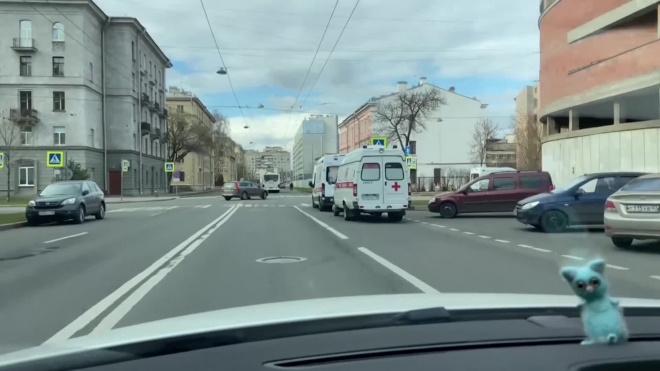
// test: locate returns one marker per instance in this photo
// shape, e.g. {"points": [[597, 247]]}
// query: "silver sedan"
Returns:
{"points": [[634, 211]]}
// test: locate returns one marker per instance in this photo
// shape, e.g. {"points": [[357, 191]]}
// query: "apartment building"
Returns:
{"points": [[271, 159], [316, 136], [75, 80]]}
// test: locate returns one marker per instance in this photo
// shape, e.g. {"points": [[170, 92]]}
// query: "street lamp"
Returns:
{"points": [[222, 71]]}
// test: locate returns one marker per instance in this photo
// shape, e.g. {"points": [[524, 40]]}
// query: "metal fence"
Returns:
{"points": [[438, 184]]}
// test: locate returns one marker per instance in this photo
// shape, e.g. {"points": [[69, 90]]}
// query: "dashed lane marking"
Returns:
{"points": [[534, 248], [572, 257], [617, 267], [502, 241], [423, 286], [485, 237], [468, 233]]}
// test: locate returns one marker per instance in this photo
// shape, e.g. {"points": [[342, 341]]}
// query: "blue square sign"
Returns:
{"points": [[407, 150], [55, 159]]}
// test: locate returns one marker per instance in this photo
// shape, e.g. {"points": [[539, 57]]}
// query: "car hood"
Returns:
{"points": [[540, 197], [297, 311], [444, 194]]}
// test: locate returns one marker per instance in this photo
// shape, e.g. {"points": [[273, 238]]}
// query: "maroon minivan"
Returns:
{"points": [[496, 192]]}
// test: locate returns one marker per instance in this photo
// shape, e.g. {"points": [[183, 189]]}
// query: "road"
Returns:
{"points": [[150, 261]]}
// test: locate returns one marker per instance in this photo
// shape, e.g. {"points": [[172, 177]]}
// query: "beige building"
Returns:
{"points": [[528, 128], [231, 164], [196, 169], [271, 159]]}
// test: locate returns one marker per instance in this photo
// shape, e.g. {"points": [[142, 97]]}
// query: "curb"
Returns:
{"points": [[132, 201], [5, 227]]}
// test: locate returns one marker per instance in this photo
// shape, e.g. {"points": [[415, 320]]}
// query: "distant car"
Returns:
{"points": [[282, 185], [633, 213], [581, 202], [67, 200], [496, 192], [243, 190]]}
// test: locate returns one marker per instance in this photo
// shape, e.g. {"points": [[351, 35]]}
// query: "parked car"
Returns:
{"points": [[634, 212], [581, 202], [67, 200], [243, 190], [496, 192]]}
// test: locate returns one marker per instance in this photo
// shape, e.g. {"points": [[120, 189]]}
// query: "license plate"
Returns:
{"points": [[370, 196], [643, 208], [46, 213]]}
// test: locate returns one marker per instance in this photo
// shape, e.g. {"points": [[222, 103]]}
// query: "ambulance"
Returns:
{"points": [[372, 180], [323, 181]]}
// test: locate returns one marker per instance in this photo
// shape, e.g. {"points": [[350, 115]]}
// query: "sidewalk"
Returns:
{"points": [[12, 209], [127, 199]]}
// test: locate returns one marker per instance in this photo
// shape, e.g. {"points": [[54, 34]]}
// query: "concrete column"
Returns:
{"points": [[619, 113], [551, 126], [573, 120]]}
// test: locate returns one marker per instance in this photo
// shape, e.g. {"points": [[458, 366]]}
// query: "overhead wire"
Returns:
{"points": [[215, 41]]}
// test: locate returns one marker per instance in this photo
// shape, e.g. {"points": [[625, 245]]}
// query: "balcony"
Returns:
{"points": [[163, 113], [145, 128], [154, 107], [23, 116], [163, 137], [145, 99], [152, 83], [24, 45], [154, 133]]}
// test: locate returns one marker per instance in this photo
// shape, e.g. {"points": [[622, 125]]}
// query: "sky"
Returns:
{"points": [[484, 48]]}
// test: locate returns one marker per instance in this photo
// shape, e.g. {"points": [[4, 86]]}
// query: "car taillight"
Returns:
{"points": [[354, 190], [236, 186], [323, 189], [552, 187], [409, 190], [610, 207]]}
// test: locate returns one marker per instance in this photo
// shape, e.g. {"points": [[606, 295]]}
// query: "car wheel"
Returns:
{"points": [[348, 214], [622, 242], [101, 214], [395, 217], [554, 221], [80, 217], [321, 206], [335, 210], [227, 198], [244, 196], [448, 210], [313, 204], [264, 195]]}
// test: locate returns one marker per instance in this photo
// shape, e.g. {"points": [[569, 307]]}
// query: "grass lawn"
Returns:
{"points": [[11, 218], [13, 202]]}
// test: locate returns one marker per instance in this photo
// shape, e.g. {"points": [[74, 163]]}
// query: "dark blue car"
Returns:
{"points": [[581, 202]]}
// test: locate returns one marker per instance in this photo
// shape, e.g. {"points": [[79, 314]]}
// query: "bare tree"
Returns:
{"points": [[528, 134], [9, 140], [406, 113], [186, 134], [484, 132]]}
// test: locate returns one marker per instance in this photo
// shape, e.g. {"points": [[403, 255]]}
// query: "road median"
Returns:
{"points": [[11, 221]]}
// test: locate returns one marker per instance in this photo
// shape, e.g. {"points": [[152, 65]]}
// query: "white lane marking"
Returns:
{"points": [[502, 241], [203, 206], [655, 277], [468, 233], [454, 229], [336, 232], [156, 214], [426, 288], [616, 267], [425, 222], [534, 248], [248, 205], [304, 205], [239, 204], [572, 257], [415, 220], [125, 306], [170, 208], [64, 238], [199, 198], [484, 236], [93, 312]]}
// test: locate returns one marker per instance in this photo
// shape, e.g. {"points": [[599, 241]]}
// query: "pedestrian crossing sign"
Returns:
{"points": [[378, 141], [169, 167], [411, 162], [54, 159], [125, 164], [2, 160]]}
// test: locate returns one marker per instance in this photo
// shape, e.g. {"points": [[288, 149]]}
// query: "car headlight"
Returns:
{"points": [[530, 205], [432, 200], [69, 201], [32, 203]]}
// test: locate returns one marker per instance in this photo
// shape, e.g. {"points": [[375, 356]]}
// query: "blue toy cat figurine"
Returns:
{"points": [[601, 315]]}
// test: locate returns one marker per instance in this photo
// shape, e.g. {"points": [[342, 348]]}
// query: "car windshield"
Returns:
{"points": [[61, 189], [251, 153]]}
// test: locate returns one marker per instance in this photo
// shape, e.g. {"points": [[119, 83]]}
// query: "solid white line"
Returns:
{"points": [[616, 267], [534, 248], [572, 257], [304, 205], [502, 241], [156, 214], [454, 229], [336, 232], [484, 236], [655, 277], [468, 232], [423, 286], [93, 312], [64, 238]]}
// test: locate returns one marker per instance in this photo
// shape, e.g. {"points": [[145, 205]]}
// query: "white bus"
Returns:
{"points": [[482, 171], [270, 182]]}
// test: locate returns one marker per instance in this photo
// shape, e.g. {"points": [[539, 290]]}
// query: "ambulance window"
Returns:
{"points": [[371, 171], [331, 174], [393, 171]]}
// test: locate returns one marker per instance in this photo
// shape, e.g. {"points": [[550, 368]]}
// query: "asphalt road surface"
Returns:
{"points": [[150, 261]]}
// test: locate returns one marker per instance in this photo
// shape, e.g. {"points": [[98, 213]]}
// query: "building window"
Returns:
{"points": [[91, 137], [135, 178], [25, 33], [58, 66], [133, 50], [26, 66], [134, 142], [59, 135], [26, 136], [58, 101], [26, 100], [26, 176], [179, 109], [413, 147], [150, 73], [134, 82], [58, 32], [91, 72]]}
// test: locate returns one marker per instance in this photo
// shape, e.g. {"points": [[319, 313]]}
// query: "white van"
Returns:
{"points": [[323, 181], [372, 180], [478, 172]]}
